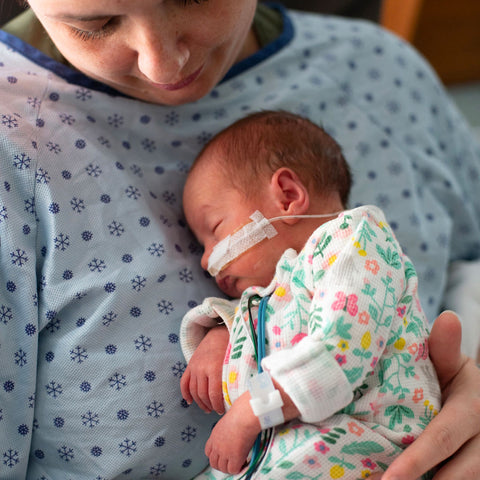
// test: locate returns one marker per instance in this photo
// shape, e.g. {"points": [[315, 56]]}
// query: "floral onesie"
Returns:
{"points": [[346, 339]]}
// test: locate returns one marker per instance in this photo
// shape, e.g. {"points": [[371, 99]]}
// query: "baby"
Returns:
{"points": [[324, 356]]}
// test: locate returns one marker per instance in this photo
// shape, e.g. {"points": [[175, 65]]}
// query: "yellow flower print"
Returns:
{"points": [[337, 471], [357, 245], [233, 379], [366, 341], [343, 345], [329, 261], [399, 344], [226, 396], [280, 291]]}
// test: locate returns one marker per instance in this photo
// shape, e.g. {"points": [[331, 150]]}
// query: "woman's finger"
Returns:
{"points": [[465, 464]]}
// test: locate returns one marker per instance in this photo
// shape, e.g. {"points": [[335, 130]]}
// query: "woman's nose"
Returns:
{"points": [[161, 55]]}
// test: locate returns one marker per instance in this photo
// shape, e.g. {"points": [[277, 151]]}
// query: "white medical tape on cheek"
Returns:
{"points": [[239, 242]]}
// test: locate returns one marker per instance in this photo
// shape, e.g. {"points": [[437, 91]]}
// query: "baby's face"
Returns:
{"points": [[214, 209]]}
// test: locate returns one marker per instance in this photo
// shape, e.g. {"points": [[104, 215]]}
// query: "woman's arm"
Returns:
{"points": [[454, 434]]}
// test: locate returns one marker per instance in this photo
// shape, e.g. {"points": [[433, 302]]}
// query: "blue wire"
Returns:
{"points": [[260, 355]]}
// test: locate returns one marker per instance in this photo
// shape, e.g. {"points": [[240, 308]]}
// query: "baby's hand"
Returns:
{"points": [[202, 379], [233, 437]]}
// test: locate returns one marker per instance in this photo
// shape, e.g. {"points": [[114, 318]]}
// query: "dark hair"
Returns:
{"points": [[265, 141]]}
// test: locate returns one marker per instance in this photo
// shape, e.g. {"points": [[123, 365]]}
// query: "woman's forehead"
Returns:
{"points": [[88, 9]]}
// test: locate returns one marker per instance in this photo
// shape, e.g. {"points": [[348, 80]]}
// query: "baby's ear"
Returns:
{"points": [[290, 194]]}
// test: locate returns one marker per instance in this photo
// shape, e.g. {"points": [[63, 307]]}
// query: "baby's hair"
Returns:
{"points": [[265, 141]]}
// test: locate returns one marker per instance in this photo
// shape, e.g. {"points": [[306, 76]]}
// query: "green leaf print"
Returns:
{"points": [[322, 244], [353, 374], [397, 412], [390, 256], [345, 224], [343, 329], [409, 270], [416, 327], [318, 275], [362, 448], [237, 349], [295, 476], [286, 464], [373, 311]]}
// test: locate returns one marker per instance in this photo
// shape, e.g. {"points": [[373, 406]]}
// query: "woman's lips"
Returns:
{"points": [[181, 84]]}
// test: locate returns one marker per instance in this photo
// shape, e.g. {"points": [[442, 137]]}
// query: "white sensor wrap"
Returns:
{"points": [[266, 401]]}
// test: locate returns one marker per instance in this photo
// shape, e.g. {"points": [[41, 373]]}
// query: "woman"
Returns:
{"points": [[97, 264]]}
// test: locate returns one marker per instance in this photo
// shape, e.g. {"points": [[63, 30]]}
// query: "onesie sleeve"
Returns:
{"points": [[357, 274], [196, 323]]}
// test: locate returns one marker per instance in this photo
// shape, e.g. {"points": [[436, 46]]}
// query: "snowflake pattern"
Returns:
{"points": [[117, 381], [128, 447], [22, 161]]}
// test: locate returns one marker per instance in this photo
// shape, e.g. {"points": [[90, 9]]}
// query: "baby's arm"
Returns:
{"points": [[234, 435], [202, 379], [204, 343]]}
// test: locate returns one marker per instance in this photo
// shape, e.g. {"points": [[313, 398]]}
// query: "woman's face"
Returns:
{"points": [[163, 51]]}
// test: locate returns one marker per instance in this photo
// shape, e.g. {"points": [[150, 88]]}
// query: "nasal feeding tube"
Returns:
{"points": [[234, 245]]}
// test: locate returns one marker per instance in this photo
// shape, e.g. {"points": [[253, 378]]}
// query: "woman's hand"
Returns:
{"points": [[202, 380], [455, 431]]}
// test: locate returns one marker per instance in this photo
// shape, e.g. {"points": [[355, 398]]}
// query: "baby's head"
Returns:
{"points": [[277, 163]]}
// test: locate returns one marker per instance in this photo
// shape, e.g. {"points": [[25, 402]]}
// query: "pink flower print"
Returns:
{"points": [[347, 303], [408, 439], [364, 318], [380, 343], [419, 305], [413, 348], [374, 362], [401, 311], [372, 266], [311, 461], [276, 330], [422, 351], [355, 429], [343, 232], [297, 338], [341, 359], [375, 407], [367, 463], [323, 430], [321, 447], [418, 395], [227, 353]]}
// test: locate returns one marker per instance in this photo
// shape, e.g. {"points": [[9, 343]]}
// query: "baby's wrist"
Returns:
{"points": [[266, 401]]}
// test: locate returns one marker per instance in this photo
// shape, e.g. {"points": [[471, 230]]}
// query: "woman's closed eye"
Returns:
{"points": [[99, 32]]}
